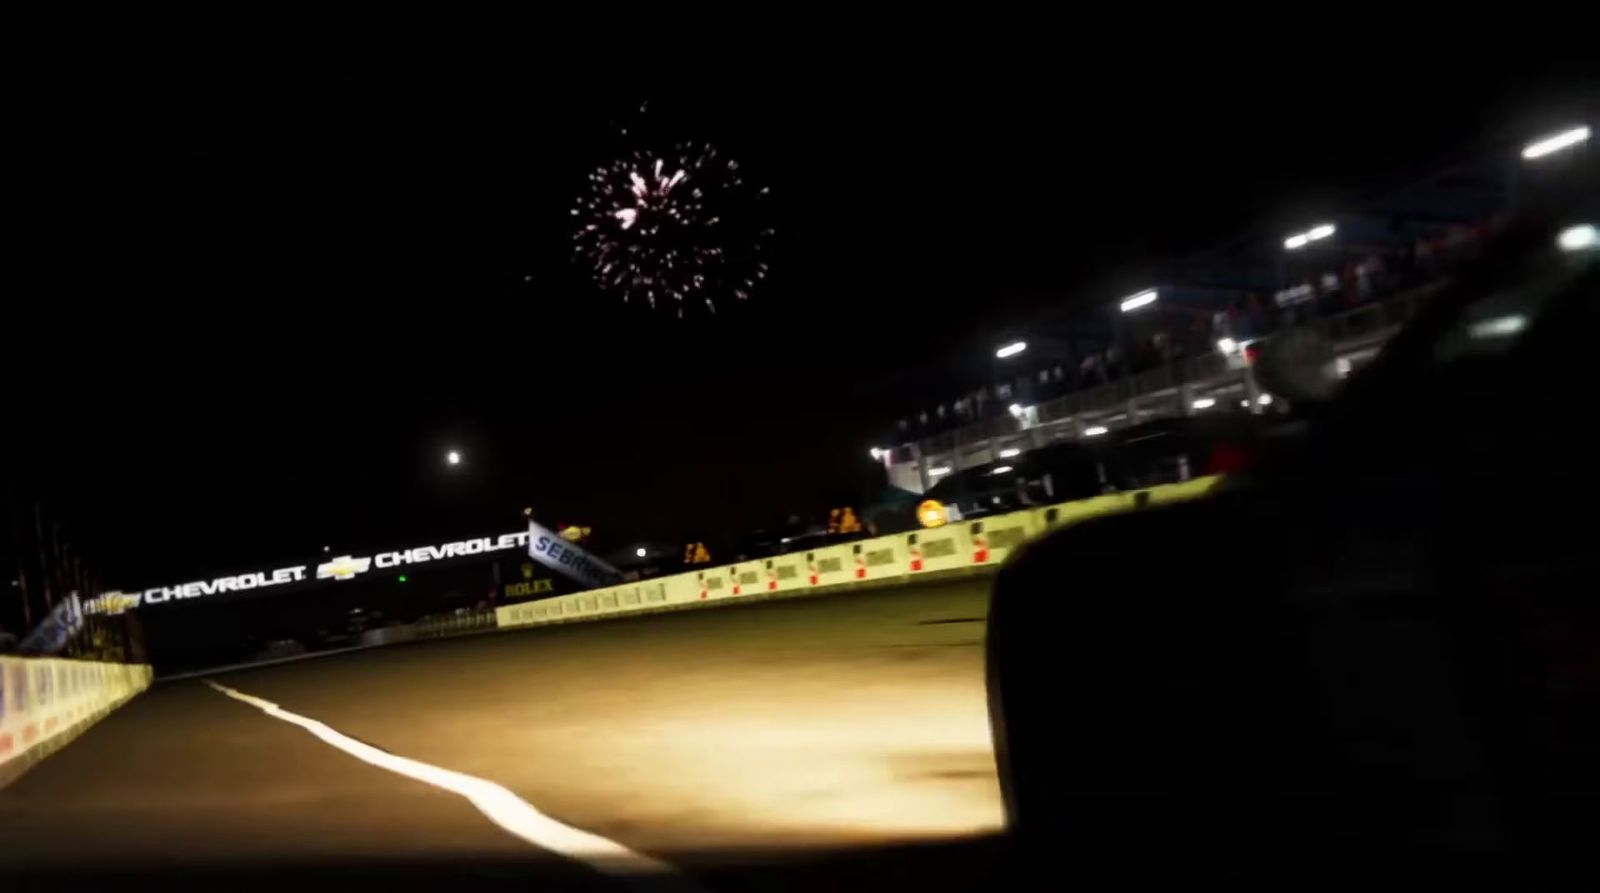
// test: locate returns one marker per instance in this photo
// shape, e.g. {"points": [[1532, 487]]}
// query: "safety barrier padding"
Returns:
{"points": [[962, 547], [46, 702]]}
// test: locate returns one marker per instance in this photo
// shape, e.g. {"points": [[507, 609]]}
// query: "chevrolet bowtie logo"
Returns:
{"points": [[343, 568]]}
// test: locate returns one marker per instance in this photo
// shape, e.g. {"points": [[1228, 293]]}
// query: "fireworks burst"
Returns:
{"points": [[679, 227]]}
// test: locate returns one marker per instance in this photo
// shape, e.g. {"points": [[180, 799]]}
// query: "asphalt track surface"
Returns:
{"points": [[835, 742]]}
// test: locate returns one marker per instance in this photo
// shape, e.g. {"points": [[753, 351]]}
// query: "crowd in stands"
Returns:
{"points": [[1176, 332]]}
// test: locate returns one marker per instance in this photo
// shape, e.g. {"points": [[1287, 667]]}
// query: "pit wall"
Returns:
{"points": [[46, 702], [964, 547]]}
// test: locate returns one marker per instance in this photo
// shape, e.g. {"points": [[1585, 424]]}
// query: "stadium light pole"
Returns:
{"points": [[1133, 303], [1001, 354], [1297, 241]]}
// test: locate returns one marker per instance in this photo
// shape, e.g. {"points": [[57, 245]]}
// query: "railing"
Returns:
{"points": [[1369, 321], [454, 625], [959, 548], [433, 627], [1353, 329]]}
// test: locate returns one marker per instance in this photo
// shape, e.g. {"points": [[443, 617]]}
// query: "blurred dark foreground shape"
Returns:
{"points": [[1370, 662]]}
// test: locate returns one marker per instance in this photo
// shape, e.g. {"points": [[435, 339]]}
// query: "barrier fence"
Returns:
{"points": [[46, 702], [436, 627], [975, 546], [454, 625]]}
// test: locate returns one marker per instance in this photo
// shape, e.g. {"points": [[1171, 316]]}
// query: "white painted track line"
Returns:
{"points": [[500, 805]]}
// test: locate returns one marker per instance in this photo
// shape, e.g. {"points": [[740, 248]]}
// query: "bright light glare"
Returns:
{"points": [[639, 551], [1314, 234], [1227, 345], [1205, 403], [1582, 237], [1142, 299], [1094, 431], [1556, 142], [1499, 326], [938, 471], [877, 454], [1010, 452], [1001, 470], [1015, 409], [453, 457], [1264, 399], [1012, 349]]}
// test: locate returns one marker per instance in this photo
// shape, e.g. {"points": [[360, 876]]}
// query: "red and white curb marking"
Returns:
{"points": [[500, 805]]}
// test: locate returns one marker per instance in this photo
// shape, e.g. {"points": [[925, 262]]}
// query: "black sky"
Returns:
{"points": [[271, 269]]}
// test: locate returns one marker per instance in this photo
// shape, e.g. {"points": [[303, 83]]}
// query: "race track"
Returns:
{"points": [[843, 737]]}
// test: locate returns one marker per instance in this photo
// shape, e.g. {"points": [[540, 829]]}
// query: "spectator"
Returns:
{"points": [[1113, 366]]}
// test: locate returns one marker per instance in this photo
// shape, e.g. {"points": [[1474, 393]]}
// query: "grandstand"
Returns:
{"points": [[1182, 347]]}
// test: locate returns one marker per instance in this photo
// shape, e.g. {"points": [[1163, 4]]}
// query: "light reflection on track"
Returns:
{"points": [[774, 727]]}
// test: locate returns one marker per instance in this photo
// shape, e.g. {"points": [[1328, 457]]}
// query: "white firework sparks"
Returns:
{"points": [[678, 227]]}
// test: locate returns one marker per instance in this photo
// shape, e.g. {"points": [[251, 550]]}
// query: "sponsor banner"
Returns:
{"points": [[569, 558], [112, 603], [343, 567], [55, 631], [530, 588], [479, 546]]}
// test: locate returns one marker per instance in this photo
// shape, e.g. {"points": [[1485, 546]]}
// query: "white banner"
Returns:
{"points": [[341, 567], [54, 632], [568, 558]]}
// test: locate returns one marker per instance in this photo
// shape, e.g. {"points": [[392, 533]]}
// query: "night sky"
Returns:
{"points": [[271, 270]]}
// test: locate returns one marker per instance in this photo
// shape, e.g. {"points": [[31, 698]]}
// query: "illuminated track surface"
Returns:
{"points": [[837, 742]]}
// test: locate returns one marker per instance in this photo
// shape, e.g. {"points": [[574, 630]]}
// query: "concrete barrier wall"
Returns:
{"points": [[976, 546], [46, 702]]}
